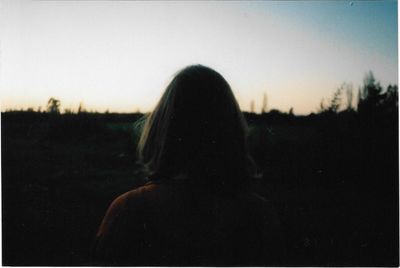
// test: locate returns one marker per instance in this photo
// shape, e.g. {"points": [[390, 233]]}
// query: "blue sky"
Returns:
{"points": [[371, 25], [119, 55]]}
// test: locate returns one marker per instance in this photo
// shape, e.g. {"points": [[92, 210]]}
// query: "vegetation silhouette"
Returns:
{"points": [[332, 177], [53, 106]]}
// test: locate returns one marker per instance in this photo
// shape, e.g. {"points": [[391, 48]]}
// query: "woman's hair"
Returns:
{"points": [[197, 129]]}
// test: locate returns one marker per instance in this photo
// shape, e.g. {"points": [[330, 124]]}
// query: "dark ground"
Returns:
{"points": [[333, 180]]}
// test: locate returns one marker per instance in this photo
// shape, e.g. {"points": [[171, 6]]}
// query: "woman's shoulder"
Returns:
{"points": [[135, 196], [130, 200]]}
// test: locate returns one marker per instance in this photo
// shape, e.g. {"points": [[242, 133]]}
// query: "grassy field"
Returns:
{"points": [[334, 186]]}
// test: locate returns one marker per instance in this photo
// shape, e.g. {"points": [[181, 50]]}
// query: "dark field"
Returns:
{"points": [[333, 179]]}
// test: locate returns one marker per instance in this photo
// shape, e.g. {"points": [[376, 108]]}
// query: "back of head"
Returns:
{"points": [[197, 129]]}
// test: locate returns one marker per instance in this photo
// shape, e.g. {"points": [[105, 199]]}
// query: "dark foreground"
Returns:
{"points": [[333, 180]]}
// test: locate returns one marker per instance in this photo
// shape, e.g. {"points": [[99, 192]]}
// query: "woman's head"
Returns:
{"points": [[197, 129]]}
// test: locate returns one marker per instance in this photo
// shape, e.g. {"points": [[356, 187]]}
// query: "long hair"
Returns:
{"points": [[197, 129]]}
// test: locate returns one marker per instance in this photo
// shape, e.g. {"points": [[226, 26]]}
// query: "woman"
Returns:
{"points": [[197, 208]]}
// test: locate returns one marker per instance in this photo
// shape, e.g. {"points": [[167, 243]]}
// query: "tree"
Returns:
{"points": [[349, 96], [390, 100], [335, 103], [391, 95], [264, 104], [370, 95], [291, 111], [53, 106], [336, 100], [81, 108], [322, 106]]}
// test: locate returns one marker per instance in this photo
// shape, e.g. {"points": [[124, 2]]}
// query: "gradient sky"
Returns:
{"points": [[120, 55]]}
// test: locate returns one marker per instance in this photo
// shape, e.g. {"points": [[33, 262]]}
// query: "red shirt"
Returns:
{"points": [[179, 224]]}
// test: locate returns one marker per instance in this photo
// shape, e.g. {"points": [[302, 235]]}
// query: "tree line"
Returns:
{"points": [[372, 99]]}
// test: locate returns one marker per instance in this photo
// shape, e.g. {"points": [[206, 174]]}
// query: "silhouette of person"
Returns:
{"points": [[197, 208]]}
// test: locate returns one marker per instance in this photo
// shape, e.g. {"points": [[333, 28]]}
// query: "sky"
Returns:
{"points": [[120, 55]]}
